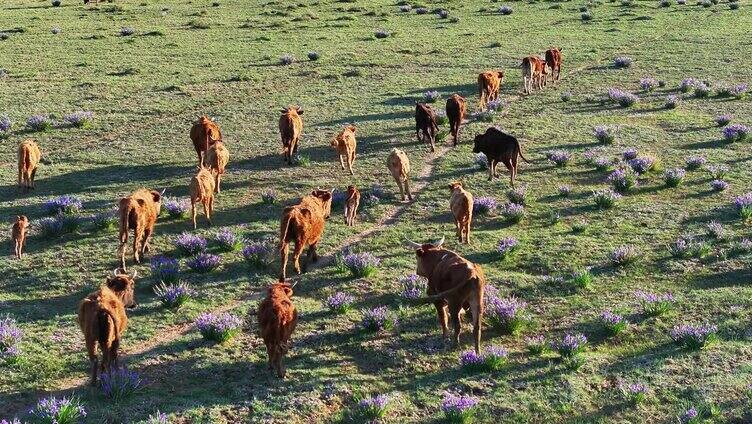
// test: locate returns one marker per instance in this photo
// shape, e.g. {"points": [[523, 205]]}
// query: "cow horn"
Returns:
{"points": [[333, 188], [135, 273], [115, 272], [413, 244], [294, 284], [163, 192], [440, 242]]}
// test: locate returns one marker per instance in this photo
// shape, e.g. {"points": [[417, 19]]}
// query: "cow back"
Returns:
{"points": [[398, 164], [202, 185], [218, 156], [455, 108]]}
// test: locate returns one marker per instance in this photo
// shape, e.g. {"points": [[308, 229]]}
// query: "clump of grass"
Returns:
{"points": [[674, 177], [718, 185], [559, 157], [127, 31], [701, 90], [635, 393], [565, 190], [39, 123], [517, 194], [570, 349], [339, 302], [506, 314], [735, 132], [605, 134], [717, 172], [743, 205], [513, 213], [378, 319], [372, 409], [6, 124], [654, 304], [581, 279], [204, 262], [613, 323], [621, 97], [723, 120], [623, 255], [493, 358], [606, 198], [303, 161], [586, 16], [120, 383], [218, 327], [694, 337]]}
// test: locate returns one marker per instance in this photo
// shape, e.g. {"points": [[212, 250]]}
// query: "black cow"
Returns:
{"points": [[499, 146], [425, 122]]}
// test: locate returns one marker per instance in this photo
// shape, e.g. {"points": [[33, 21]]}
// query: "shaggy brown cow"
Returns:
{"points": [[456, 106], [18, 234], [290, 129], [399, 166], [202, 191], [304, 225], [277, 318], [217, 158], [344, 144], [102, 318], [138, 211], [453, 282], [352, 201], [534, 71], [28, 160], [425, 124], [553, 60], [499, 147], [204, 133], [461, 205], [489, 83]]}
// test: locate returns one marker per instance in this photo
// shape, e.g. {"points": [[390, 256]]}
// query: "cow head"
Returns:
{"points": [[23, 221], [478, 143], [123, 285], [456, 185], [286, 288], [325, 196], [427, 256], [157, 197]]}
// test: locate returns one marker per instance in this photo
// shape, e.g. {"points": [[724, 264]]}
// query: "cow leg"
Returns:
{"points": [[441, 313], [467, 229], [216, 182], [270, 355], [91, 347], [350, 162], [281, 372], [459, 228], [417, 134], [313, 254], [407, 189], [33, 178], [121, 252], [476, 306], [491, 165], [207, 210], [137, 238], [296, 255], [342, 161], [200, 159], [402, 190], [454, 314], [146, 247], [283, 251], [193, 212]]}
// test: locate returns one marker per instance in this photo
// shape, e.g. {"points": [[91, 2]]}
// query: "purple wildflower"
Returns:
{"points": [[672, 102], [723, 120], [218, 327], [5, 124], [606, 198], [361, 264], [286, 59], [622, 62], [716, 230], [687, 246], [570, 345], [613, 323], [495, 105], [258, 254], [204, 262], [457, 408], [691, 414], [559, 157], [642, 164], [717, 172], [79, 119], [565, 190], [513, 212], [630, 154], [654, 304], [470, 359], [739, 90], [227, 240], [687, 84], [735, 132], [484, 205], [566, 96], [10, 337], [63, 205], [269, 197], [339, 302], [421, 11], [481, 161], [648, 83], [701, 90], [505, 10], [623, 180], [506, 246], [623, 255], [176, 208], [127, 31], [635, 392], [718, 185], [674, 177], [157, 418], [39, 123], [743, 205], [605, 134], [50, 227], [536, 344], [58, 411], [378, 319], [694, 336], [105, 220], [405, 8], [506, 313], [174, 295], [374, 407], [164, 269], [695, 162], [190, 244], [623, 98], [119, 383], [413, 286], [431, 96]]}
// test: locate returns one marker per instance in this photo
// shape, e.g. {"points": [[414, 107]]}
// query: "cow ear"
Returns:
{"points": [[283, 111], [300, 110], [156, 196], [419, 252], [288, 291], [326, 196], [117, 284]]}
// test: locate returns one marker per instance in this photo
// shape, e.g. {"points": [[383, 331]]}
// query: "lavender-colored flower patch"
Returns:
{"points": [[190, 244], [605, 134], [630, 153], [622, 62], [431, 96], [218, 327], [378, 319], [606, 198], [687, 84], [269, 197], [674, 177], [723, 120], [176, 208], [735, 132], [458, 408], [719, 185], [623, 255], [654, 304], [412, 286], [613, 323], [570, 345], [701, 90], [517, 194], [258, 254], [513, 212], [373, 408], [361, 264], [174, 295], [63, 205], [717, 172], [559, 157], [621, 97], [79, 119], [339, 302], [743, 205], [536, 344], [227, 240], [506, 246], [5, 125], [672, 102], [10, 337], [642, 164], [505, 10], [695, 162], [507, 314], [58, 411], [204, 262], [484, 205], [164, 269], [648, 83], [120, 383], [39, 123], [381, 33], [623, 180], [694, 336], [565, 190]]}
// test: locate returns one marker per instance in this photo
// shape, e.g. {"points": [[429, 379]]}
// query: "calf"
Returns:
{"points": [[533, 72], [425, 124], [499, 147], [553, 60], [456, 106], [28, 160], [102, 318], [344, 144], [139, 212], [489, 83], [18, 234], [399, 166], [217, 158], [461, 205], [454, 283], [352, 201], [202, 191], [204, 133], [277, 318], [290, 129], [303, 224]]}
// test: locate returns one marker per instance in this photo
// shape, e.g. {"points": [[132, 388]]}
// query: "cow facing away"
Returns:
{"points": [[216, 159], [102, 318], [204, 133], [399, 167], [303, 224], [426, 127], [489, 84], [139, 212], [499, 146], [18, 235], [202, 191], [461, 205], [553, 61], [352, 201], [277, 318], [454, 283], [28, 161], [344, 143], [533, 73], [456, 106], [290, 129]]}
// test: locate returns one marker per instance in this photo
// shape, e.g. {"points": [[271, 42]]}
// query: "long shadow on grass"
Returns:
{"points": [[385, 116], [730, 278]]}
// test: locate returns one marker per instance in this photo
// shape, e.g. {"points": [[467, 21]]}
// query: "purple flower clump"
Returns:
{"points": [[269, 197], [739, 90], [605, 134], [227, 240], [630, 153], [674, 177], [513, 212], [506, 246], [565, 190], [694, 336], [717, 172], [536, 344], [621, 97], [648, 83], [622, 62], [623, 179], [379, 318], [5, 124], [39, 123], [672, 101], [570, 345], [559, 157], [484, 205], [606, 198], [718, 185], [10, 337], [654, 304], [431, 96], [119, 383], [623, 255], [642, 164], [339, 302], [204, 262], [506, 313], [743, 205], [695, 162], [413, 286], [218, 327], [164, 269], [723, 120], [689, 416], [58, 411], [190, 244], [687, 84], [374, 407], [65, 204], [735, 132], [79, 119], [505, 10], [176, 208], [492, 358], [173, 295], [361, 264], [258, 254], [613, 323], [458, 408]]}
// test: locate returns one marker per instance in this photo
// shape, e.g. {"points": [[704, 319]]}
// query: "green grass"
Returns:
{"points": [[187, 59]]}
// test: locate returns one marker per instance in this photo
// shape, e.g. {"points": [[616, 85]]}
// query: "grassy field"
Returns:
{"points": [[223, 59]]}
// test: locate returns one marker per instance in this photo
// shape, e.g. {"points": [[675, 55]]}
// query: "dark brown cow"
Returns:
{"points": [[425, 124], [139, 212], [453, 283], [204, 133], [304, 225], [290, 129], [102, 318], [553, 61], [28, 160], [18, 234], [489, 83], [456, 106], [499, 147], [277, 318]]}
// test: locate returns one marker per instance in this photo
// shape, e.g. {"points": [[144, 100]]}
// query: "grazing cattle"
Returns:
{"points": [[399, 166], [204, 133], [139, 212], [499, 147], [18, 234], [277, 318], [344, 144], [461, 205], [489, 83], [454, 283], [553, 60], [456, 106], [352, 201], [533, 72], [202, 191], [217, 158], [102, 318], [303, 224], [28, 160], [290, 129], [426, 127]]}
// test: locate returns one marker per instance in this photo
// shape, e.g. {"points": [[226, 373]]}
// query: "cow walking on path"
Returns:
{"points": [[204, 133], [18, 235], [461, 206], [553, 60], [344, 143], [139, 212], [426, 127], [290, 129], [277, 318], [399, 167], [499, 147], [456, 106], [303, 224], [202, 191], [489, 84]]}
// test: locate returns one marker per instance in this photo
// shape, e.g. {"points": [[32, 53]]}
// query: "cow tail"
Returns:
{"points": [[519, 150], [285, 229], [206, 143], [23, 162], [444, 294], [104, 329]]}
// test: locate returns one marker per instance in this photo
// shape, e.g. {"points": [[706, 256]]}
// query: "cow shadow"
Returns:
{"points": [[384, 116], [730, 278], [710, 144]]}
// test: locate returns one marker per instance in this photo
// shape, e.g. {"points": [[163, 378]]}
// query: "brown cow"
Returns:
{"points": [[344, 144], [453, 282], [304, 224], [18, 234], [202, 191], [290, 129], [28, 160], [461, 205], [277, 318], [534, 71], [553, 60], [139, 212], [499, 146], [456, 106], [204, 133], [399, 166], [217, 158], [102, 318], [352, 201], [489, 83], [425, 124]]}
